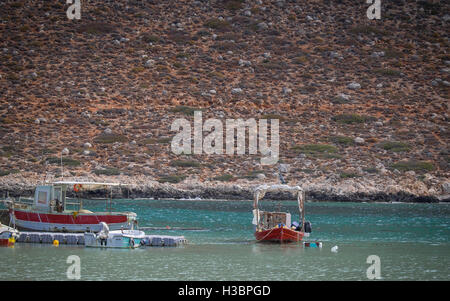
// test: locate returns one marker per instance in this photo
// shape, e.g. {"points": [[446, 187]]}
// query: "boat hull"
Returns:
{"points": [[115, 239], [280, 235], [68, 222], [4, 242]]}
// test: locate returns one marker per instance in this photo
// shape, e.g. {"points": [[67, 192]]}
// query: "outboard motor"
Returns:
{"points": [[103, 234], [308, 228]]}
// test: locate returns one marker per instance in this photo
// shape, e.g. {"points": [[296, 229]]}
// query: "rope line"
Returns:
{"points": [[267, 234]]}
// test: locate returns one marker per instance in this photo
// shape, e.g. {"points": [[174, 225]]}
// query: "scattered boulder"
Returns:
{"points": [[354, 86], [284, 167], [359, 140], [236, 91], [287, 90], [261, 176], [377, 54], [244, 63], [262, 25], [336, 55], [445, 188]]}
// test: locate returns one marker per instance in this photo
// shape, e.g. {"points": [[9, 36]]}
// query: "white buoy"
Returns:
{"points": [[334, 249]]}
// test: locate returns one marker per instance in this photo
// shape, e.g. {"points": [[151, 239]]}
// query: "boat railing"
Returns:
{"points": [[25, 200], [22, 202], [75, 205]]}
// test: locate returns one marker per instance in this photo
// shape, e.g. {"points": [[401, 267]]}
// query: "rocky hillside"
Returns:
{"points": [[361, 103]]}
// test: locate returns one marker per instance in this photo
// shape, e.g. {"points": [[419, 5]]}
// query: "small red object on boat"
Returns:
{"points": [[8, 235]]}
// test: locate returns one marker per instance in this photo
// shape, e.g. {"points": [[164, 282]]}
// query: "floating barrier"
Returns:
{"points": [[78, 239], [23, 237], [35, 238], [61, 238], [71, 240], [46, 238], [156, 241]]}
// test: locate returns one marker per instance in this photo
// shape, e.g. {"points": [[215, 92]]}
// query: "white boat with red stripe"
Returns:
{"points": [[49, 210]]}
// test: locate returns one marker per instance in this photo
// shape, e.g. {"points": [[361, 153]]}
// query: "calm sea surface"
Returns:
{"points": [[411, 240]]}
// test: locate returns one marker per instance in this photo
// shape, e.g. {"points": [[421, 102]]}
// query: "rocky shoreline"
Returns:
{"points": [[403, 189]]}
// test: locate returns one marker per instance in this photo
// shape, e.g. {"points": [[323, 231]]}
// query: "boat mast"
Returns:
{"points": [[45, 171], [256, 207], [62, 170], [65, 151], [301, 204], [110, 199]]}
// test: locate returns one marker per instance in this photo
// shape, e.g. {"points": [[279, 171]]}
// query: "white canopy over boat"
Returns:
{"points": [[260, 191]]}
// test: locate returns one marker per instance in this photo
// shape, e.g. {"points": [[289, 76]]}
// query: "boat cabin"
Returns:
{"points": [[50, 198]]}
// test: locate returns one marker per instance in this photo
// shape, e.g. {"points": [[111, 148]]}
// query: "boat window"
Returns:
{"points": [[42, 197]]}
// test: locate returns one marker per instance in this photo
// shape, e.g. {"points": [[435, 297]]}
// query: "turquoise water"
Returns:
{"points": [[411, 240]]}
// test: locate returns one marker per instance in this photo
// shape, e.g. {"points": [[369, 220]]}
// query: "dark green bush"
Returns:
{"points": [[185, 110], [342, 140], [149, 38], [315, 148], [96, 28], [181, 163], [7, 172], [367, 29], [419, 166], [395, 146], [350, 118], [224, 178], [216, 24], [110, 138], [171, 179], [109, 171], [348, 175], [233, 5], [387, 72], [66, 161]]}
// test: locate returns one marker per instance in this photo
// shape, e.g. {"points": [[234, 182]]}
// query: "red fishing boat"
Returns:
{"points": [[49, 210], [279, 234], [277, 226]]}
